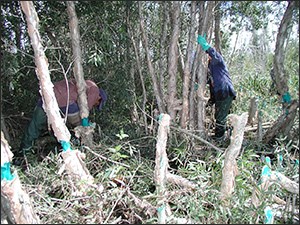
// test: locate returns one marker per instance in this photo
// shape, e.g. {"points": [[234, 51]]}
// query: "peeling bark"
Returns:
{"points": [[15, 202], [85, 134], [77, 172], [161, 166], [180, 181], [149, 209], [73, 163], [267, 181], [50, 104], [230, 169]]}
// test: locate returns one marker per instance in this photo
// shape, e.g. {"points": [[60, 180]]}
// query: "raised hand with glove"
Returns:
{"points": [[201, 40]]}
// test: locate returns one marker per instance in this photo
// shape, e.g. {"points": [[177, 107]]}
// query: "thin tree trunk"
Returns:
{"points": [[217, 26], [139, 69], [187, 69], [159, 99], [163, 49], [202, 72], [161, 167], [252, 111], [78, 70], [195, 85], [173, 61]]}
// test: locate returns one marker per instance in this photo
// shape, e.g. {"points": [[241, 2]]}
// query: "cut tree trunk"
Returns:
{"points": [[252, 111], [16, 206], [230, 169], [161, 166]]}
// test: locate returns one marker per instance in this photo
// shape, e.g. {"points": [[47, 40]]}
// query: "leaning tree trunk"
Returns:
{"points": [[283, 123], [50, 104], [281, 77], [187, 68], [280, 74], [73, 159], [172, 101]]}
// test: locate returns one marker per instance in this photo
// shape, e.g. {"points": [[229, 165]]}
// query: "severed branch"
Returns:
{"points": [[149, 209], [269, 179], [181, 181], [198, 138]]}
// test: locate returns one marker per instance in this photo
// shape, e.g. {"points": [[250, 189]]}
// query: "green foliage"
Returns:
{"points": [[251, 15]]}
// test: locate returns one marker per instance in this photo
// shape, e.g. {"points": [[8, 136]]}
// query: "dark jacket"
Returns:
{"points": [[222, 84]]}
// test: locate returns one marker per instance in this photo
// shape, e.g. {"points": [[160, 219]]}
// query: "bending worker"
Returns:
{"points": [[221, 87], [96, 97]]}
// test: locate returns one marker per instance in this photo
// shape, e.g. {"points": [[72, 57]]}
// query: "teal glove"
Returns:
{"points": [[201, 40], [85, 122]]}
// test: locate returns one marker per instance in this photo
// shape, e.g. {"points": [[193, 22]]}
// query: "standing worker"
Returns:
{"points": [[96, 97], [221, 87]]}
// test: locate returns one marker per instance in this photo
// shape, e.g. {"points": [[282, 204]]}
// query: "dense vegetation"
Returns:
{"points": [[125, 150]]}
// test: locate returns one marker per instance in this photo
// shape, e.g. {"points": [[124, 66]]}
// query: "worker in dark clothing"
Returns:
{"points": [[221, 86], [66, 96]]}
